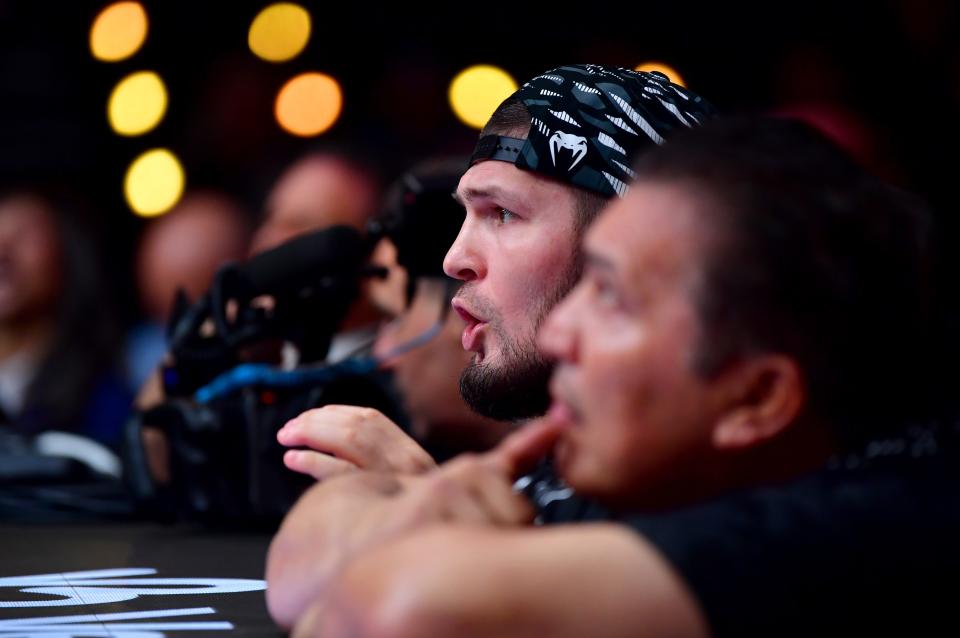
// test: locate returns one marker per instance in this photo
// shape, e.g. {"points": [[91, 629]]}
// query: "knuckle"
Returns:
{"points": [[368, 414], [422, 462], [409, 461], [354, 438], [440, 486], [470, 464], [467, 459]]}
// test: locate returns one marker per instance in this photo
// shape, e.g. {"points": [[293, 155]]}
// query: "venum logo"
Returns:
{"points": [[116, 625], [576, 144], [113, 586]]}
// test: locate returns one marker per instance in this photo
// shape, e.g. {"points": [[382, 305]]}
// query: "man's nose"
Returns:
{"points": [[463, 260]]}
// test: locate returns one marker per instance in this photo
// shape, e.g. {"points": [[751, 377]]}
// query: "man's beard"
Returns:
{"points": [[518, 388]]}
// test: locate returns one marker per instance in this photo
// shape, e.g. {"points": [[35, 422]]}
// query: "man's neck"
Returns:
{"points": [[798, 451]]}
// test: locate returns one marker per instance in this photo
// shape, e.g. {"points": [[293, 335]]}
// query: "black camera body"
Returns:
{"points": [[225, 461], [224, 407]]}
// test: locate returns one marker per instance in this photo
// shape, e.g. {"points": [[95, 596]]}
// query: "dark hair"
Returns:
{"points": [[810, 256], [422, 218], [512, 119]]}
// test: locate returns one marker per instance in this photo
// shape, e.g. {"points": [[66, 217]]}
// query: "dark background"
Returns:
{"points": [[892, 67]]}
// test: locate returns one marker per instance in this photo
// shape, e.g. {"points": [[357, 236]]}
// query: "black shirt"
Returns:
{"points": [[868, 545]]}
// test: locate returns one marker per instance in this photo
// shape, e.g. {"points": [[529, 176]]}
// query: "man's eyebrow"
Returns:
{"points": [[468, 194]]}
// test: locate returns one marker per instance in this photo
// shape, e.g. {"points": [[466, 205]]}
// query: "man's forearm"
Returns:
{"points": [[331, 522], [589, 580]]}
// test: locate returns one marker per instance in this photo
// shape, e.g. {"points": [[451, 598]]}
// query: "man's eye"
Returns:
{"points": [[504, 215], [605, 293]]}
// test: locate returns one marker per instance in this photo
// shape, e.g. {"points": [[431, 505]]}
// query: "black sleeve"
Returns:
{"points": [[824, 556]]}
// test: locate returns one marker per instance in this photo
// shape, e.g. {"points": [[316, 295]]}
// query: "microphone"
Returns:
{"points": [[307, 261], [312, 278]]}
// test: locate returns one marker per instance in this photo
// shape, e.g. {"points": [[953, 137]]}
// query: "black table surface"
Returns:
{"points": [[131, 581]]}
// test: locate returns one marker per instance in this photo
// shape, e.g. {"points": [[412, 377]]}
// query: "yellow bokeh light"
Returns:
{"points": [[309, 104], [666, 69], [154, 183], [118, 31], [476, 93], [279, 32], [137, 103]]}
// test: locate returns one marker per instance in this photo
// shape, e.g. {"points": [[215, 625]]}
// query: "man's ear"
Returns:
{"points": [[764, 396]]}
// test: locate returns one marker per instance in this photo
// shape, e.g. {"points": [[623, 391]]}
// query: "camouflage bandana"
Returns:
{"points": [[588, 123]]}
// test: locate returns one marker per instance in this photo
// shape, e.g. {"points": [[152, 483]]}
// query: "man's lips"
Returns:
{"points": [[471, 333]]}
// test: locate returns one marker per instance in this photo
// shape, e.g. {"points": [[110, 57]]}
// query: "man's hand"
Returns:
{"points": [[344, 438], [333, 522], [342, 518], [477, 489]]}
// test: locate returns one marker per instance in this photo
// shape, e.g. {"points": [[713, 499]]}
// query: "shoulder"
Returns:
{"points": [[832, 547]]}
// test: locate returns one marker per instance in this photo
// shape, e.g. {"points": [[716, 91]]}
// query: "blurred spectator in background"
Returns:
{"points": [[181, 250], [812, 86], [323, 189], [58, 342], [318, 190], [848, 130]]}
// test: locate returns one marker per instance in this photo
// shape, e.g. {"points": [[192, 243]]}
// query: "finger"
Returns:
{"points": [[325, 433], [330, 411], [320, 619], [520, 452], [504, 507], [364, 437], [466, 509], [443, 497], [489, 488], [316, 464]]}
